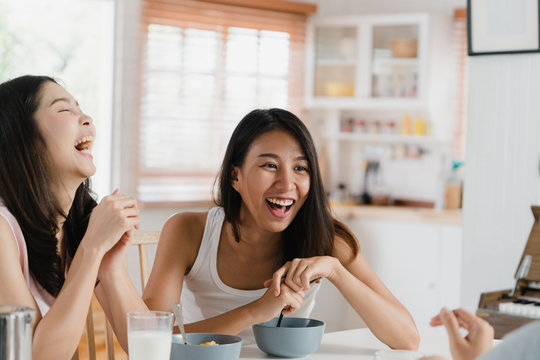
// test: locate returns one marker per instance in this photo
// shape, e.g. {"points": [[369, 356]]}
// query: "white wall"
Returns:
{"points": [[344, 7], [502, 181]]}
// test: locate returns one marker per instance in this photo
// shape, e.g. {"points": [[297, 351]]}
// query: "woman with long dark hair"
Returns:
{"points": [[271, 236], [57, 242]]}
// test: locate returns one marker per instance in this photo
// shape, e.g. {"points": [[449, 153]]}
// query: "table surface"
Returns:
{"points": [[360, 344]]}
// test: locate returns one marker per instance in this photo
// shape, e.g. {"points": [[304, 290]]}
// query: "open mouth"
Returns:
{"points": [[84, 144], [282, 205]]}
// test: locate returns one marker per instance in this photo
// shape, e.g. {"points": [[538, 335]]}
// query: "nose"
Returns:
{"points": [[285, 179], [86, 120]]}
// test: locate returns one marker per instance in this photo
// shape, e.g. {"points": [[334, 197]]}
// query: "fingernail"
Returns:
{"points": [[445, 311], [276, 293]]}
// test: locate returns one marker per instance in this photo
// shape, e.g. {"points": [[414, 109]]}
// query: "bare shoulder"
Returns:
{"points": [[182, 234], [343, 251], [7, 238], [185, 225], [14, 289]]}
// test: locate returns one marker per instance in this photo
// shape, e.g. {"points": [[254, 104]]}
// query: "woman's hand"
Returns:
{"points": [[111, 221], [299, 273], [113, 260], [270, 306], [478, 340]]}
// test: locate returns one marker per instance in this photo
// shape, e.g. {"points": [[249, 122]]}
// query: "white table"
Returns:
{"points": [[360, 344]]}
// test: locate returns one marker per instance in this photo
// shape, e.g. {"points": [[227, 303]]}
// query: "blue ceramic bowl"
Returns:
{"points": [[296, 337], [228, 349]]}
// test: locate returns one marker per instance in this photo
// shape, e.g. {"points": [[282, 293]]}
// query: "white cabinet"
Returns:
{"points": [[419, 262], [367, 96], [373, 61]]}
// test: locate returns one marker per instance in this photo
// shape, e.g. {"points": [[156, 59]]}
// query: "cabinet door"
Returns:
{"points": [[335, 66], [395, 65], [357, 61], [418, 262]]}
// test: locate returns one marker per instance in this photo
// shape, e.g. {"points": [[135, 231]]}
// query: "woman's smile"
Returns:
{"points": [[280, 208]]}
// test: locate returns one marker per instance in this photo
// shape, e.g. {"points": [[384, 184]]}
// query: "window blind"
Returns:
{"points": [[204, 66]]}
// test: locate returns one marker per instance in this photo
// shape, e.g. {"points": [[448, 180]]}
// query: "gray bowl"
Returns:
{"points": [[228, 349], [296, 337]]}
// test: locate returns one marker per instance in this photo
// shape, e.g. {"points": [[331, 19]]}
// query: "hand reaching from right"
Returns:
{"points": [[478, 340], [270, 306], [113, 217]]}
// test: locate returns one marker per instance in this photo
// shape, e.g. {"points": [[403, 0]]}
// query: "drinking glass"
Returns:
{"points": [[397, 355], [149, 335]]}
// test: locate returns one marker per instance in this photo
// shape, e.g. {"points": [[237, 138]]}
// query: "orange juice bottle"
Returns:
{"points": [[406, 125]]}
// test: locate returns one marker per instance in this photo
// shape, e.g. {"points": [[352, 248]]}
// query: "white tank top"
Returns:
{"points": [[204, 295]]}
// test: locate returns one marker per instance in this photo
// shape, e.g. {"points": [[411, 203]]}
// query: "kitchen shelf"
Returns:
{"points": [[336, 62], [388, 139]]}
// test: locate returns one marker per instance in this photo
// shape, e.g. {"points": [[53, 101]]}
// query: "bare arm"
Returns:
{"points": [[177, 250], [63, 324], [385, 316], [116, 292], [57, 334]]}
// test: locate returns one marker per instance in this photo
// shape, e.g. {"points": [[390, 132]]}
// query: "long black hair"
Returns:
{"points": [[312, 231], [25, 186]]}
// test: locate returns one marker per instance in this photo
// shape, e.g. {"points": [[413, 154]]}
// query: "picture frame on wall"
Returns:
{"points": [[503, 26]]}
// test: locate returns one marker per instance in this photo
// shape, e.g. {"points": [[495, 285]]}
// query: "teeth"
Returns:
{"points": [[280, 202], [84, 139]]}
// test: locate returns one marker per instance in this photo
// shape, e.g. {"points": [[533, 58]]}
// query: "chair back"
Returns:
{"points": [[142, 240], [98, 329]]}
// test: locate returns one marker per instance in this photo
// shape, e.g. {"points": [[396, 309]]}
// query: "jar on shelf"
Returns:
{"points": [[347, 125], [374, 127], [389, 127], [359, 126]]}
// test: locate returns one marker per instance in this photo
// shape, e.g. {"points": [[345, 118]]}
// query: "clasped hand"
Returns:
{"points": [[299, 273], [111, 227]]}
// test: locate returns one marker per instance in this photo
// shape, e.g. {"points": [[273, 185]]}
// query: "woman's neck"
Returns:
{"points": [[64, 195], [257, 240]]}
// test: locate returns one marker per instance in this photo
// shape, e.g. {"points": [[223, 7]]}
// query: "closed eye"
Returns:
{"points": [[270, 165]]}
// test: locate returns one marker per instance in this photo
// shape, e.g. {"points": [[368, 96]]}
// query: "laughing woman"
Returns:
{"points": [[272, 234], [55, 240]]}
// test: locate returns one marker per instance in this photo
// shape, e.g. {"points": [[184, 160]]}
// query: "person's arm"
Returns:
{"points": [[478, 340], [116, 292], [57, 334], [178, 247], [385, 316]]}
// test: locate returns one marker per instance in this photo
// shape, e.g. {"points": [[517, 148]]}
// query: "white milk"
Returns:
{"points": [[149, 344]]}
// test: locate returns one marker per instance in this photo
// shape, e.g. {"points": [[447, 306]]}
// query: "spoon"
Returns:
{"points": [[179, 320], [279, 320], [317, 280]]}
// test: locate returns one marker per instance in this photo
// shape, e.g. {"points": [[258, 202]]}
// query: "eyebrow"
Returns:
{"points": [[274, 156], [62, 99]]}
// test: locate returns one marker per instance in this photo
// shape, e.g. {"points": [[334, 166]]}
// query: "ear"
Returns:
{"points": [[234, 177]]}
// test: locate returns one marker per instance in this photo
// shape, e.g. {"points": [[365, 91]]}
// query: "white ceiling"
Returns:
{"points": [[348, 7]]}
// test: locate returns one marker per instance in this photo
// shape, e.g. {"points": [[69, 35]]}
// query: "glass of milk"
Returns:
{"points": [[149, 335]]}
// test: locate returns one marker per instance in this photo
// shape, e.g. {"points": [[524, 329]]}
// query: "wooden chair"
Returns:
{"points": [[142, 240]]}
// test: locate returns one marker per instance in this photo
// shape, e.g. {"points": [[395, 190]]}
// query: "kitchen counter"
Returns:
{"points": [[399, 213]]}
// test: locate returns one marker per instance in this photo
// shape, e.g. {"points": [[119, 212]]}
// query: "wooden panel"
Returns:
{"points": [[503, 324], [533, 247], [277, 5]]}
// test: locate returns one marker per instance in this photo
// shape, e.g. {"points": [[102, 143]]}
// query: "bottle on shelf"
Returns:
{"points": [[453, 188], [419, 126], [406, 125]]}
